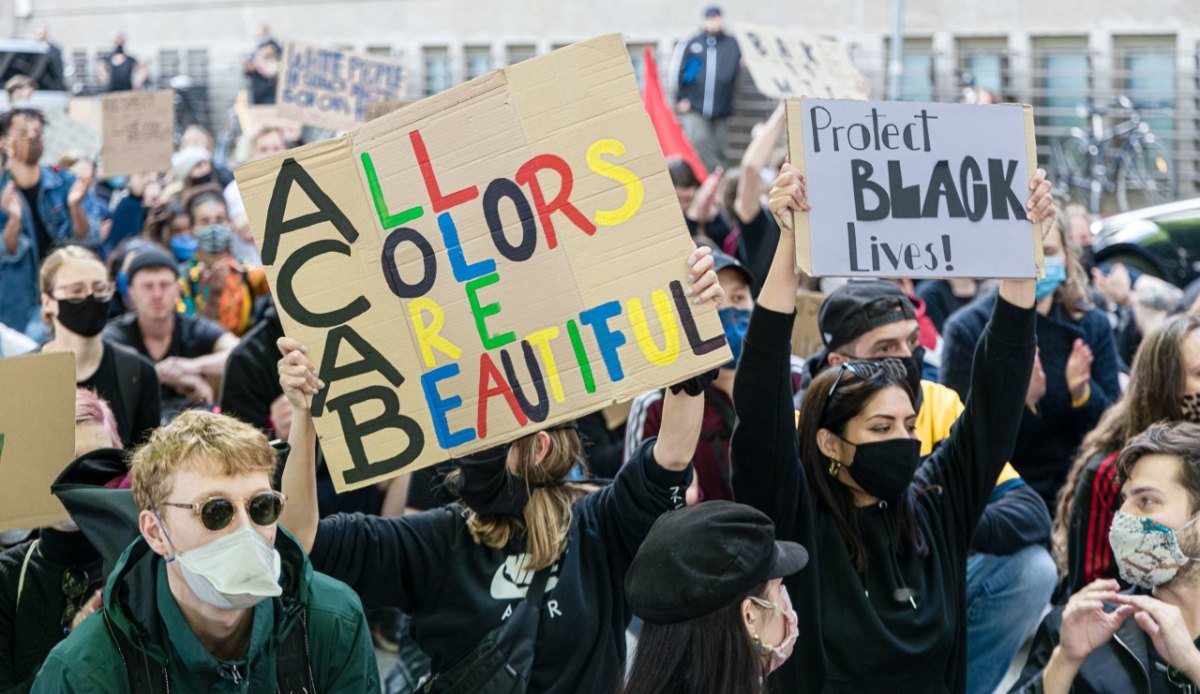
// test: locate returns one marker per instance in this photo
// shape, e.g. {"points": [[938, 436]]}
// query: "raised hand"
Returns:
{"points": [[1079, 370], [297, 375], [788, 194]]}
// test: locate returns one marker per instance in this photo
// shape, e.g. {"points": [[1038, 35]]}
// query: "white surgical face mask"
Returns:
{"points": [[233, 572], [1147, 552]]}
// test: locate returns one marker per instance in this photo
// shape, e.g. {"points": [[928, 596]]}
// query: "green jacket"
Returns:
{"points": [[139, 603]]}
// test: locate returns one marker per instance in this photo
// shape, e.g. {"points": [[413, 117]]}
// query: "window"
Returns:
{"points": [[479, 60], [380, 51], [437, 69], [169, 63], [1061, 81], [916, 80], [986, 62], [1144, 71], [520, 52], [197, 64]]}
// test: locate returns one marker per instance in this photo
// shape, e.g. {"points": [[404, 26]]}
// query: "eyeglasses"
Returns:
{"points": [[78, 293], [216, 513], [75, 584]]}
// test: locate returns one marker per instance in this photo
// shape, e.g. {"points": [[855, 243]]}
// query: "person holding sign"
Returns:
{"points": [[885, 598], [1075, 377], [521, 535]]}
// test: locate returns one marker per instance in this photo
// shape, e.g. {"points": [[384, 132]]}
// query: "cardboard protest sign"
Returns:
{"points": [[62, 134], [806, 333], [490, 261], [137, 131], [786, 63], [905, 189], [330, 89], [254, 117], [37, 431]]}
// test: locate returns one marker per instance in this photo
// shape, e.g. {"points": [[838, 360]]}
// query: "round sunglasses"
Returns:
{"points": [[217, 512]]}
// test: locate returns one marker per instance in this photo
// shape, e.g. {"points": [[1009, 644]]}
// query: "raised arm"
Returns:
{"points": [[299, 379], [747, 206]]}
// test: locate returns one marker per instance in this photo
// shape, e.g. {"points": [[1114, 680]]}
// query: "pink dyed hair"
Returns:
{"points": [[90, 407]]}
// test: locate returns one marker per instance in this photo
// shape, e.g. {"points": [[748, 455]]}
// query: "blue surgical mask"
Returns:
{"points": [[117, 182], [734, 321], [184, 247], [1056, 274]]}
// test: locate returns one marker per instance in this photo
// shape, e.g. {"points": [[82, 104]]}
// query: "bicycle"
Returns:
{"points": [[1122, 159]]}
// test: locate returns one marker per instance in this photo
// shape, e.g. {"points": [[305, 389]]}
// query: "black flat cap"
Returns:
{"points": [[700, 559]]}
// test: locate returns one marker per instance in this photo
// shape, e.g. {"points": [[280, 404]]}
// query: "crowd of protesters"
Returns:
{"points": [[970, 484]]}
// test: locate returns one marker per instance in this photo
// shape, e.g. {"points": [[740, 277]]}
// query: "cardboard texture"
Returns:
{"points": [[485, 263], [905, 189], [786, 63], [806, 335], [257, 116], [137, 131], [37, 426], [330, 89]]}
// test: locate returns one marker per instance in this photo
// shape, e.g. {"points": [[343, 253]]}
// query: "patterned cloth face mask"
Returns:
{"points": [[1147, 552]]}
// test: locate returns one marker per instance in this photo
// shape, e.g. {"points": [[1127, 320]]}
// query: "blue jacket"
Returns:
{"points": [[19, 293], [1048, 438]]}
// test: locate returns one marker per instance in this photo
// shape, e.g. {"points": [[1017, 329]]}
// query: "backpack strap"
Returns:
{"points": [[293, 661], [521, 631], [129, 373], [24, 570], [144, 677]]}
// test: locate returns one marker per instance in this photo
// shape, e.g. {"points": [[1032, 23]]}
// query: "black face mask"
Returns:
{"points": [[202, 180], [86, 318], [487, 487], [884, 469]]}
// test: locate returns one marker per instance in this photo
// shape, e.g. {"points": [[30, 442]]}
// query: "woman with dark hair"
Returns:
{"points": [[885, 598], [1164, 385], [523, 533], [708, 583], [1075, 379]]}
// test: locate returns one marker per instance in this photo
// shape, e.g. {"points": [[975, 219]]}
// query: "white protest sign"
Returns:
{"points": [[787, 63], [906, 189], [328, 88]]}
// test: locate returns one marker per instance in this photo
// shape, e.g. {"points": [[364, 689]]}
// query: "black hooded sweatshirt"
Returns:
{"points": [[456, 591], [861, 634]]}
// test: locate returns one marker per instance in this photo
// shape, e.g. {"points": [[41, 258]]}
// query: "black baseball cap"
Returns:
{"points": [[700, 559], [724, 261], [151, 258], [858, 307], [712, 11]]}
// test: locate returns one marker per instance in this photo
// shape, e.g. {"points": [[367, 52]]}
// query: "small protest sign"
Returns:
{"points": [[328, 88], [786, 63], [137, 131], [254, 117], [906, 189], [37, 432], [490, 261]]}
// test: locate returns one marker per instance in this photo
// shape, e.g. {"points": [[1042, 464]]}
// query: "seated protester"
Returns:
{"points": [[873, 320], [711, 459], [523, 535], [76, 293], [886, 599], [699, 202], [1136, 304], [708, 583], [1141, 640], [1076, 376], [757, 233], [263, 142], [198, 137], [928, 336], [215, 285], [944, 297], [186, 350], [213, 596], [84, 170], [169, 226], [129, 210], [1164, 386], [50, 584], [40, 210]]}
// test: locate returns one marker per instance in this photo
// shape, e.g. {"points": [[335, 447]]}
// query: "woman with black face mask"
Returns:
{"points": [[882, 604], [464, 571], [76, 293]]}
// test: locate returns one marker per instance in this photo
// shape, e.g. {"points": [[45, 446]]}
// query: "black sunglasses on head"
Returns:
{"points": [[216, 513], [864, 370]]}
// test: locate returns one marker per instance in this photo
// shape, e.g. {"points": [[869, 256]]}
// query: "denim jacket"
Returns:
{"points": [[19, 294]]}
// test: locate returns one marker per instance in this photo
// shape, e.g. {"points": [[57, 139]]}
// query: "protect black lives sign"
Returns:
{"points": [[907, 189]]}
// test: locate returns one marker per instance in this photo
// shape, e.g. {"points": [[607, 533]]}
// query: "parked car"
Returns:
{"points": [[1163, 240]]}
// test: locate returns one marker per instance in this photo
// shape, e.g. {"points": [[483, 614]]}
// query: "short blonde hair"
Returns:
{"points": [[198, 440]]}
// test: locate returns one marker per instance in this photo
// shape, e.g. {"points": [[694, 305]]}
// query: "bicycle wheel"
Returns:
{"points": [[1148, 172], [1073, 164]]}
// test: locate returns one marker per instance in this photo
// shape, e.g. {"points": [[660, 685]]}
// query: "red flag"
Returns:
{"points": [[670, 136]]}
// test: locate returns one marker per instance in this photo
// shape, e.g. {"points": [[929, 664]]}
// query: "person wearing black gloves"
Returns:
{"points": [[525, 547], [708, 583], [885, 598]]}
